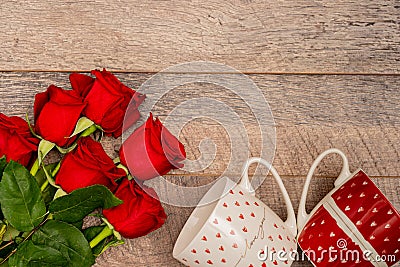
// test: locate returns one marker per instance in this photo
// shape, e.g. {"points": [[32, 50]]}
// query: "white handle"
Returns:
{"points": [[245, 183], [302, 215]]}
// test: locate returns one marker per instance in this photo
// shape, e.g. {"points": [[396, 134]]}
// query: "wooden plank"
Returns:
{"points": [[155, 249], [359, 115], [252, 36]]}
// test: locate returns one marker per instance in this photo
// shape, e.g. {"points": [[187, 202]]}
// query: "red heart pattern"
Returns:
{"points": [[244, 216], [372, 214], [330, 234]]}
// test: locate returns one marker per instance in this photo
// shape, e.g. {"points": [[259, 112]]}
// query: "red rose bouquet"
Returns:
{"points": [[42, 206]]}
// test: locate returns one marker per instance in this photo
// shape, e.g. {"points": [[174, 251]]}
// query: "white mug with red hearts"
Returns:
{"points": [[354, 225], [231, 227]]}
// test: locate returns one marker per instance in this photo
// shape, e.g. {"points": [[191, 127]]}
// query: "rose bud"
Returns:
{"points": [[151, 150], [107, 100], [56, 113], [140, 213], [88, 164], [16, 141]]}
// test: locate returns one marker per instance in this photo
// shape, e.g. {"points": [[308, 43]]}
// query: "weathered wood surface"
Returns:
{"points": [[156, 248], [252, 36], [357, 114]]}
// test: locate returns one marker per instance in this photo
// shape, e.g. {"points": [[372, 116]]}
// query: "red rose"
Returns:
{"points": [[107, 100], [56, 113], [152, 151], [88, 164], [140, 213], [16, 141]]}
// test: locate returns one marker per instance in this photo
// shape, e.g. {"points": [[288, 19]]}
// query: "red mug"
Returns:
{"points": [[354, 225]]}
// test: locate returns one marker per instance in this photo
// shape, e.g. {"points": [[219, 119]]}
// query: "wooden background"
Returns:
{"points": [[330, 71]]}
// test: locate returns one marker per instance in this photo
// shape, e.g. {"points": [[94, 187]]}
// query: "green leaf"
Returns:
{"points": [[60, 193], [50, 178], [112, 241], [3, 164], [79, 203], [44, 148], [10, 233], [30, 126], [68, 240], [41, 178], [66, 150], [5, 251], [82, 124], [30, 255], [78, 224], [20, 198], [91, 233], [3, 229]]}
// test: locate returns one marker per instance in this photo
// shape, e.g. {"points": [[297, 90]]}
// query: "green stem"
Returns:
{"points": [[44, 185], [56, 169], [6, 245], [35, 167], [106, 232], [8, 256]]}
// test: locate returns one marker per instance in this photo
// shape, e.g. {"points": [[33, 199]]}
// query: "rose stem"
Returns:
{"points": [[35, 167], [56, 169], [44, 185], [6, 245], [106, 232]]}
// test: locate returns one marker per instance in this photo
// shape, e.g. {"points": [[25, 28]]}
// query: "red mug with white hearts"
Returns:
{"points": [[231, 227], [354, 225]]}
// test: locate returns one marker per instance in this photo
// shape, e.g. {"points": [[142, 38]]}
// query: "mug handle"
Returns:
{"points": [[245, 183], [303, 216]]}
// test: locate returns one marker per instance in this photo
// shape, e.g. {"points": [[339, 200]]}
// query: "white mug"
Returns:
{"points": [[231, 227]]}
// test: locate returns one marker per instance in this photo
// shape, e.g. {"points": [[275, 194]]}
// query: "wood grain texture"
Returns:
{"points": [[252, 36], [357, 114], [156, 248]]}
